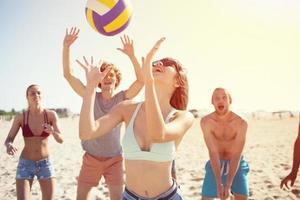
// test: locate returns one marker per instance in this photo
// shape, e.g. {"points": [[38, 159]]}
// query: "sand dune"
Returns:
{"points": [[268, 150]]}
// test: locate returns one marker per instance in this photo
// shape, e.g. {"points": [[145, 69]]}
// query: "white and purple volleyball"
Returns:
{"points": [[108, 17]]}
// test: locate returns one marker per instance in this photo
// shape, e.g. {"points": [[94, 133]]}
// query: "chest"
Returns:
{"points": [[140, 133], [224, 131], [36, 124]]}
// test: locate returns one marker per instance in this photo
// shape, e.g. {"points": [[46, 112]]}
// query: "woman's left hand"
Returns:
{"points": [[48, 128]]}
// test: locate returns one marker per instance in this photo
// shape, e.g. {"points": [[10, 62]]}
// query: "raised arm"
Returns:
{"points": [[128, 49], [89, 128], [53, 128], [291, 177], [10, 148], [213, 152], [156, 126], [74, 82]]}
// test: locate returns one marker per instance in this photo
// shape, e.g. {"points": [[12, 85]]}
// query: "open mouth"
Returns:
{"points": [[221, 107], [157, 69], [107, 83]]}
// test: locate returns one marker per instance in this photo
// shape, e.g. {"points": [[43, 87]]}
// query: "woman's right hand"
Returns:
{"points": [[146, 62], [11, 149], [93, 74], [71, 36]]}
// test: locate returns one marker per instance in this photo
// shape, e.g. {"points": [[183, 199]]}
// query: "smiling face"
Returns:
{"points": [[110, 80], [221, 100], [163, 72], [34, 95]]}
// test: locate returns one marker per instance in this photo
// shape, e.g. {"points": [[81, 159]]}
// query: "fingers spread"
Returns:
{"points": [[122, 40], [81, 65], [85, 60]]}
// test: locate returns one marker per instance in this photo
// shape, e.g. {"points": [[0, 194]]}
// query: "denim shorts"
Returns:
{"points": [[28, 169], [173, 193]]}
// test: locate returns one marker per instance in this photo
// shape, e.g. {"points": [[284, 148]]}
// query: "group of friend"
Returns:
{"points": [[154, 130]]}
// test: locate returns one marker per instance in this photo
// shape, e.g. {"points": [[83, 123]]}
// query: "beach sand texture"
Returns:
{"points": [[268, 150]]}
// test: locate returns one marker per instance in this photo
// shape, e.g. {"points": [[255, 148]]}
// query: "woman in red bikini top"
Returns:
{"points": [[37, 124]]}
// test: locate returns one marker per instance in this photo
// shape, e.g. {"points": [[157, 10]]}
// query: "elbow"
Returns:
{"points": [[83, 136], [140, 82], [158, 136], [157, 139], [67, 76]]}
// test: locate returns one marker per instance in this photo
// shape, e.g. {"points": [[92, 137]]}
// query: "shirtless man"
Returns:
{"points": [[224, 134]]}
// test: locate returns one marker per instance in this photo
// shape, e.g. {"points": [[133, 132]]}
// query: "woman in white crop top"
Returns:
{"points": [[155, 127]]}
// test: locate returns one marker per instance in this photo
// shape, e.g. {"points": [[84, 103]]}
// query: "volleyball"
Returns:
{"points": [[108, 17]]}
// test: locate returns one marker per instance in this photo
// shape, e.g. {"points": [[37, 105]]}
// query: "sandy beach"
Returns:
{"points": [[268, 150]]}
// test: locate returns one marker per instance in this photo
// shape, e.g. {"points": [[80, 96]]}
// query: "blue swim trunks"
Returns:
{"points": [[239, 185], [28, 169]]}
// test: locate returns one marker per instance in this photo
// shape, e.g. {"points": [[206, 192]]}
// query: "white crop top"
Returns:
{"points": [[159, 152]]}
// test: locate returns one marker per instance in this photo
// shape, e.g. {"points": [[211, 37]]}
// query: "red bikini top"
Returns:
{"points": [[26, 129]]}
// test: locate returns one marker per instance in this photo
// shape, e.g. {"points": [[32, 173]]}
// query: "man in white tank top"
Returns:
{"points": [[103, 156]]}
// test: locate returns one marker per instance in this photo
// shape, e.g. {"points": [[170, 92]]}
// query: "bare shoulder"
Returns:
{"points": [[206, 120], [19, 118], [240, 122], [52, 115]]}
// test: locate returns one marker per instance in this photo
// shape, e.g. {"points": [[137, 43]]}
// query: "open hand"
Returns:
{"points": [[93, 73], [128, 48], [11, 149], [71, 36], [146, 62]]}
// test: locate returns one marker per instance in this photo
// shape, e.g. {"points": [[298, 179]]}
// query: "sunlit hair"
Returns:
{"points": [[226, 92], [180, 96], [29, 87], [116, 70]]}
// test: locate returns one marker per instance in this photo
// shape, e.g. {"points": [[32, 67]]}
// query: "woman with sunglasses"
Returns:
{"points": [[37, 125], [154, 128]]}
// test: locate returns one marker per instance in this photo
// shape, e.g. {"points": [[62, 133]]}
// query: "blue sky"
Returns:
{"points": [[250, 47]]}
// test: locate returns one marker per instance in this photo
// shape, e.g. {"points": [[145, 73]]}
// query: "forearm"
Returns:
{"points": [[155, 121], [86, 120], [58, 136], [137, 68], [66, 62], [216, 167], [296, 156], [234, 165]]}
